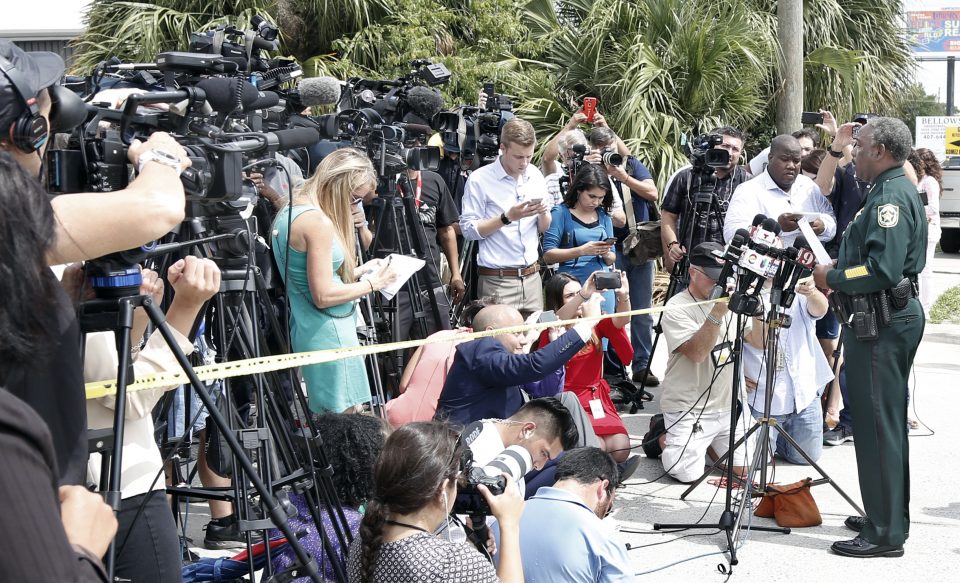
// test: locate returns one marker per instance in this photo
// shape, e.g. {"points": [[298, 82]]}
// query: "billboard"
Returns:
{"points": [[940, 134], [934, 31]]}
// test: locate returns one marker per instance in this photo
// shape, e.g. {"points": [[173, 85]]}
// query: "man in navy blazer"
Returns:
{"points": [[484, 380]]}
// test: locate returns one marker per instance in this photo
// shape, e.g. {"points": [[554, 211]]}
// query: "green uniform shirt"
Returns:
{"points": [[886, 241]]}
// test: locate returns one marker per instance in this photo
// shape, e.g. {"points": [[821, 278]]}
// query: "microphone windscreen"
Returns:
{"points": [[424, 101], [757, 219], [743, 234], [770, 225], [264, 100], [801, 242], [318, 91], [297, 138], [222, 94]]}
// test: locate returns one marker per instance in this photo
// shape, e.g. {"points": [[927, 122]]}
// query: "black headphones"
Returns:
{"points": [[29, 131]]}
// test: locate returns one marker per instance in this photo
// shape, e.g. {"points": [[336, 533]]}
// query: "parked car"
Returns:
{"points": [[950, 206]]}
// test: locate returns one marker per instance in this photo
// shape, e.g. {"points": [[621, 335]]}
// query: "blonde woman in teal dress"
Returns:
{"points": [[316, 232]]}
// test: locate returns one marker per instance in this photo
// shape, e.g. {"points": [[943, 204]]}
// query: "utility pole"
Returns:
{"points": [[790, 38]]}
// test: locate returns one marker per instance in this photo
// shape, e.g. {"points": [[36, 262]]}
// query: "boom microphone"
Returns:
{"points": [[222, 94], [264, 100], [424, 102], [315, 91]]}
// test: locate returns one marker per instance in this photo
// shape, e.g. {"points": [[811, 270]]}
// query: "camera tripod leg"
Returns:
{"points": [[269, 502]]}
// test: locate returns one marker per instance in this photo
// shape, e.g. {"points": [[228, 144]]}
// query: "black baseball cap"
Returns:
{"points": [[451, 142], [706, 256], [37, 70], [863, 117]]}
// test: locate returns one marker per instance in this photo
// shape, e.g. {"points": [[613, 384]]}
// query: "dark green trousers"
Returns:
{"points": [[877, 374]]}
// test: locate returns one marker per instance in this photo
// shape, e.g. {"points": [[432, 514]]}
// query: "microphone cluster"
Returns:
{"points": [[754, 256]]}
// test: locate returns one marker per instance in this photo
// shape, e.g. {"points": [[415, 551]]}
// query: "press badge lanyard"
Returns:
{"points": [[419, 193]]}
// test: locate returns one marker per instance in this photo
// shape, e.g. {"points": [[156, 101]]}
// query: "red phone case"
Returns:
{"points": [[589, 107]]}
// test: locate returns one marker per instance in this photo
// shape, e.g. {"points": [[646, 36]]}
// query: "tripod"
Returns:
{"points": [[280, 435], [400, 219], [117, 314], [368, 337], [776, 320], [701, 201], [731, 518]]}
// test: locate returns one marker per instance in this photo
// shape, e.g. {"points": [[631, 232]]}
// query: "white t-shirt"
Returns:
{"points": [[685, 381]]}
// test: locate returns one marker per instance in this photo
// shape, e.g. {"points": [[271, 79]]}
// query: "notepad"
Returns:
{"points": [[403, 265]]}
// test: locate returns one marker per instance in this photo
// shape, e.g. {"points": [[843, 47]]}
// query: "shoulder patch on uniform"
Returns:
{"points": [[855, 272], [888, 215]]}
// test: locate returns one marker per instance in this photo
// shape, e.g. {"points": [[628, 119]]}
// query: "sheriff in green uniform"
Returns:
{"points": [[882, 252]]}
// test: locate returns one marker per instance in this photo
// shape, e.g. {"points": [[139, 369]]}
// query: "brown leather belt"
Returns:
{"points": [[509, 271]]}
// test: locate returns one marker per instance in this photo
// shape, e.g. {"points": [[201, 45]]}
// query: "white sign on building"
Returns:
{"points": [[932, 134]]}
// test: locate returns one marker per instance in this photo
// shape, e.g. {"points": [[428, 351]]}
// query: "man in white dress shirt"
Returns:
{"points": [[781, 192], [505, 208]]}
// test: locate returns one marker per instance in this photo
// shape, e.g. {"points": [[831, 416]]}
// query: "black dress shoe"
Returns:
{"points": [[855, 522], [860, 548]]}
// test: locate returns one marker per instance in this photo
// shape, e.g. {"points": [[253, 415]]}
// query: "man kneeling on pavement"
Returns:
{"points": [[696, 398]]}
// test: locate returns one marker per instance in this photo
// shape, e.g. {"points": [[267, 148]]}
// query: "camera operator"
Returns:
{"points": [[505, 209], [87, 225], [415, 486], [781, 191], [48, 534], [677, 207], [451, 170], [633, 175]]}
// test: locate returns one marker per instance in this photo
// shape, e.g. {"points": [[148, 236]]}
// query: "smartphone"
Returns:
{"points": [[589, 108], [534, 201], [608, 280], [547, 316], [488, 88], [809, 118], [610, 241]]}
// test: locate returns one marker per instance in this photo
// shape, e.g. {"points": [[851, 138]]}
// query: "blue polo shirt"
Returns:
{"points": [[563, 541]]}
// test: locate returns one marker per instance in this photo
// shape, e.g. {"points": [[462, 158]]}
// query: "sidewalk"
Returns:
{"points": [[932, 553]]}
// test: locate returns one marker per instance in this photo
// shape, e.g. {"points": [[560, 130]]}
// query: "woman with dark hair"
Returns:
{"points": [[415, 485], [52, 533], [584, 372], [930, 174], [352, 444], [581, 230]]}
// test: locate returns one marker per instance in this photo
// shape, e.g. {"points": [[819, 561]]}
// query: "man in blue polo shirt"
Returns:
{"points": [[562, 535]]}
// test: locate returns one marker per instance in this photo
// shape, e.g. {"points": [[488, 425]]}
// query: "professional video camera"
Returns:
{"points": [[407, 99], [704, 155], [481, 140], [211, 115], [754, 256]]}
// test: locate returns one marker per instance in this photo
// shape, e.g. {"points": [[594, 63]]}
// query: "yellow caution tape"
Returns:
{"points": [[236, 368]]}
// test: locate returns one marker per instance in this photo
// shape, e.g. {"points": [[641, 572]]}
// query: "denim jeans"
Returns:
{"points": [[805, 427], [640, 278], [846, 414]]}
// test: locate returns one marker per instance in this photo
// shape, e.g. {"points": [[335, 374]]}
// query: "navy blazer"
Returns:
{"points": [[484, 380]]}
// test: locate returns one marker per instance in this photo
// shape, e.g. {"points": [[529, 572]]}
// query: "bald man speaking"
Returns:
{"points": [[484, 380]]}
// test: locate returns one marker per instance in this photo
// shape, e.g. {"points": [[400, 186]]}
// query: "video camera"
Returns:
{"points": [[704, 155], [212, 114], [481, 140], [754, 256]]}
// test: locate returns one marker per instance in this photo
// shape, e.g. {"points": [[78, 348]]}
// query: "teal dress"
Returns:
{"points": [[331, 386]]}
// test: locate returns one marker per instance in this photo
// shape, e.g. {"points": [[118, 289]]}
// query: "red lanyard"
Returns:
{"points": [[416, 197]]}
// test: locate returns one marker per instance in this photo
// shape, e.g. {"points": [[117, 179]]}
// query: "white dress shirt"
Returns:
{"points": [[761, 194], [801, 369], [490, 191]]}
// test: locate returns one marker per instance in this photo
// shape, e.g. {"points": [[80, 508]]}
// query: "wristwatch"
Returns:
{"points": [[834, 153], [161, 157], [713, 320], [504, 219]]}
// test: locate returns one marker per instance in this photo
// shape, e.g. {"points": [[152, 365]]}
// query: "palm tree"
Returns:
{"points": [[656, 75]]}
